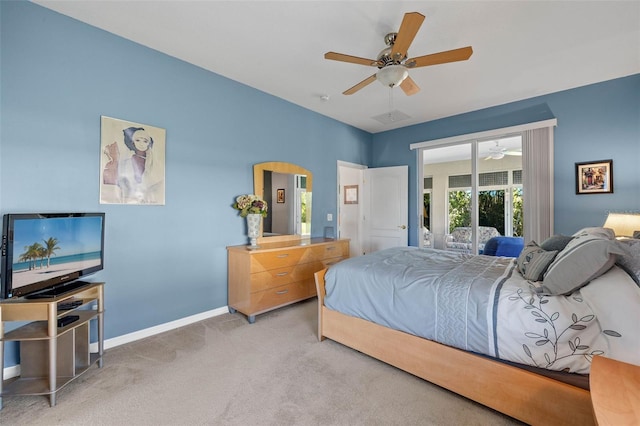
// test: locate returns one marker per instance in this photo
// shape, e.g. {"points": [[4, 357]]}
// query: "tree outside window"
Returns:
{"points": [[491, 209], [459, 209]]}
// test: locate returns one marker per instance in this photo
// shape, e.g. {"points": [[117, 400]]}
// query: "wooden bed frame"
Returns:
{"points": [[526, 396]]}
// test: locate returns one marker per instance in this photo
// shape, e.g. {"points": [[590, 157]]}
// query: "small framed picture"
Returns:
{"points": [[351, 194], [594, 177], [280, 196]]}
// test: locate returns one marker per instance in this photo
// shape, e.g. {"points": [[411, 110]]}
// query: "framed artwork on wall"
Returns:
{"points": [[132, 163], [594, 177], [351, 194], [280, 196]]}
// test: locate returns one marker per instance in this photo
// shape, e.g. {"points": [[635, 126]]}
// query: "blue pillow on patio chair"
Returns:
{"points": [[504, 246]]}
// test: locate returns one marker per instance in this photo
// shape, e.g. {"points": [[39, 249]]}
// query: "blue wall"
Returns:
{"points": [[162, 262], [596, 122]]}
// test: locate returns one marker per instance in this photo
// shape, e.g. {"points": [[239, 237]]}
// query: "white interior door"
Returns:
{"points": [[386, 209]]}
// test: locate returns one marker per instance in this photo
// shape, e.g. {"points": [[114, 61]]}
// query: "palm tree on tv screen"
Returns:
{"points": [[50, 246], [31, 254]]}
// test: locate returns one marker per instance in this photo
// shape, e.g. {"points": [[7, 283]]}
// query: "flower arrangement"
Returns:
{"points": [[250, 203]]}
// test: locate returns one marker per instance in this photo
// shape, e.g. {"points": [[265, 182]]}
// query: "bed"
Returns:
{"points": [[476, 324]]}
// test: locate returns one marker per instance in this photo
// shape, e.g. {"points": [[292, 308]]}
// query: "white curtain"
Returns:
{"points": [[537, 183]]}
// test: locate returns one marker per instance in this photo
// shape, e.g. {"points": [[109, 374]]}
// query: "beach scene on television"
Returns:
{"points": [[52, 247]]}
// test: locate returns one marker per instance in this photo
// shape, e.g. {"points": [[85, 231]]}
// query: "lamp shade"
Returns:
{"points": [[392, 75], [623, 224]]}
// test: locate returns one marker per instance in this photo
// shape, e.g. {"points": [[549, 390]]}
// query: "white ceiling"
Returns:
{"points": [[521, 49]]}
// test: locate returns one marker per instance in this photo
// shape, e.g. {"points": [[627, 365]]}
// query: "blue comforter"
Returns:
{"points": [[435, 294]]}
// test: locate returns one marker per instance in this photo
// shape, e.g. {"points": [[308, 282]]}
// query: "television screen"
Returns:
{"points": [[45, 250]]}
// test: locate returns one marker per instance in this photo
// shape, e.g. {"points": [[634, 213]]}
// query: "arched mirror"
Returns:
{"points": [[286, 188]]}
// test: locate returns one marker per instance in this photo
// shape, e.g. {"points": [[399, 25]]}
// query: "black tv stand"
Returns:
{"points": [[58, 290]]}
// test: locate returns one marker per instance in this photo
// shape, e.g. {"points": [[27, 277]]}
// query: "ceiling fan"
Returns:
{"points": [[392, 61], [498, 152]]}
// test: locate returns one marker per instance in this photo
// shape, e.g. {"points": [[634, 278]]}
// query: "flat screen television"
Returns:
{"points": [[45, 254]]}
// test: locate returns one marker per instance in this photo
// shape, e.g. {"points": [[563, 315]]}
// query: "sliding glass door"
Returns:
{"points": [[476, 192], [497, 179]]}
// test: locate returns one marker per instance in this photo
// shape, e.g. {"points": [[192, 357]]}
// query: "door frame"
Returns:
{"points": [[355, 244], [361, 244]]}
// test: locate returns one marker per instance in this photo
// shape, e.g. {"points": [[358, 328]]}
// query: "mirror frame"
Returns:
{"points": [[258, 189]]}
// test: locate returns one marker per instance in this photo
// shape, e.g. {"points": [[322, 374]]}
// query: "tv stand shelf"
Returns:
{"points": [[51, 356]]}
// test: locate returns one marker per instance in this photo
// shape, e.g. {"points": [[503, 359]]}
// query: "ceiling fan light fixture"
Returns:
{"points": [[392, 75]]}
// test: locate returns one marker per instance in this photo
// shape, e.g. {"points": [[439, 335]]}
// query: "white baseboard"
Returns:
{"points": [[14, 371], [10, 372]]}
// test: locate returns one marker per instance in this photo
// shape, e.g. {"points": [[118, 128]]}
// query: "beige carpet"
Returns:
{"points": [[224, 371]]}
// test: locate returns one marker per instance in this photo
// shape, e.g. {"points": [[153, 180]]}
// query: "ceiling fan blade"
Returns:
{"points": [[408, 29], [495, 156], [360, 85], [409, 86], [351, 59], [517, 153], [454, 55]]}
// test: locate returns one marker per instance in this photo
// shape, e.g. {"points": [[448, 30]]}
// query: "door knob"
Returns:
{"points": [[402, 227]]}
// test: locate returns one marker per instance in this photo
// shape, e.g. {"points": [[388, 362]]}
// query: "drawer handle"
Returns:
{"points": [[281, 274], [282, 292], [283, 255], [331, 263], [331, 248]]}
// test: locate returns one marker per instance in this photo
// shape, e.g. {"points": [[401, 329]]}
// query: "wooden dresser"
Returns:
{"points": [[279, 273]]}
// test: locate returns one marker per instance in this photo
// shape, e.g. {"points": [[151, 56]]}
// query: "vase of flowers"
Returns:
{"points": [[254, 209]]}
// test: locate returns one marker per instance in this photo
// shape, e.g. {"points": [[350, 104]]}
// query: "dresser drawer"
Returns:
{"points": [[278, 296], [328, 262], [276, 259], [265, 280], [261, 281], [338, 249], [327, 251]]}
